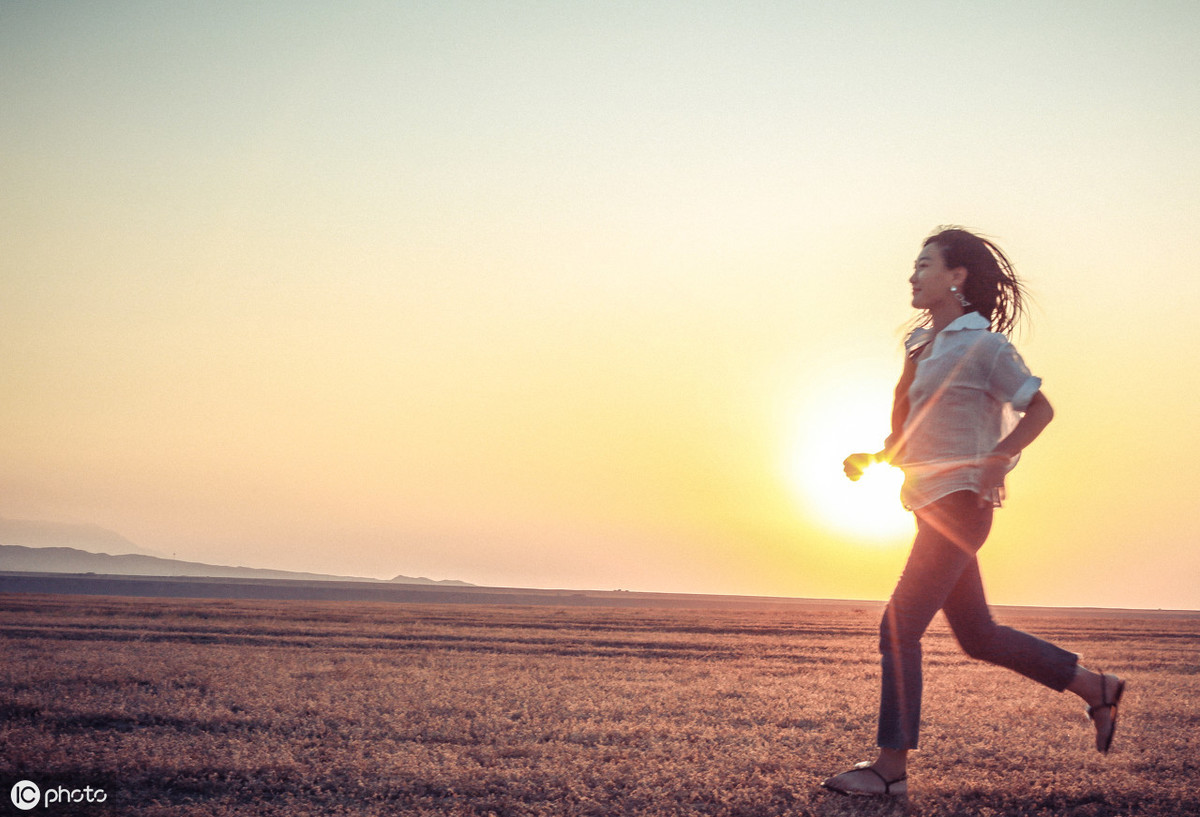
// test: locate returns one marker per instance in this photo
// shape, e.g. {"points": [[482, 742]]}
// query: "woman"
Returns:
{"points": [[955, 433]]}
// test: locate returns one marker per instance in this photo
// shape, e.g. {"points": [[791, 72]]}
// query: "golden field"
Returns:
{"points": [[202, 707]]}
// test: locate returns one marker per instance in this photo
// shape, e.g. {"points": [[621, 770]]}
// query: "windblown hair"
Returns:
{"points": [[991, 288]]}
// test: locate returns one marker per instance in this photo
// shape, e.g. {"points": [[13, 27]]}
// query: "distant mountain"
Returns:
{"points": [[19, 558], [36, 533]]}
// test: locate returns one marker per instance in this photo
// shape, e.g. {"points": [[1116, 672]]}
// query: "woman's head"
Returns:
{"points": [[991, 287]]}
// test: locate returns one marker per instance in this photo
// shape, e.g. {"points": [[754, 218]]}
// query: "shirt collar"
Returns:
{"points": [[971, 320]]}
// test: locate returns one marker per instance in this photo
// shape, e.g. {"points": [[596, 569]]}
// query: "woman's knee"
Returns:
{"points": [[979, 642]]}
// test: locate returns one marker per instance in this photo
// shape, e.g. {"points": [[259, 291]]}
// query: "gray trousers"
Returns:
{"points": [[942, 573]]}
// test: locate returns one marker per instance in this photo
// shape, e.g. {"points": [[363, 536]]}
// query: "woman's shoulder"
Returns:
{"points": [[991, 348], [994, 340], [998, 342]]}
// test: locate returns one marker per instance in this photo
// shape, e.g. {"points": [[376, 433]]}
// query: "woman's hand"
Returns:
{"points": [[992, 470], [997, 464], [855, 464]]}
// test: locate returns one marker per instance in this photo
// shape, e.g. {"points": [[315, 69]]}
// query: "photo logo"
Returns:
{"points": [[25, 795]]}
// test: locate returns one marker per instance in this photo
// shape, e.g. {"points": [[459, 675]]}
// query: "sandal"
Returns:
{"points": [[1104, 740], [891, 788]]}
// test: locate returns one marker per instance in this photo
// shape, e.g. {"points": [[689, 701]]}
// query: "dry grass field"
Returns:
{"points": [[190, 707]]}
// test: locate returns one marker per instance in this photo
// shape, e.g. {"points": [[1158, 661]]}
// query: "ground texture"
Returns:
{"points": [[193, 707]]}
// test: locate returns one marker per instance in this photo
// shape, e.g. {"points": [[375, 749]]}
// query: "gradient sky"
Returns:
{"points": [[583, 295]]}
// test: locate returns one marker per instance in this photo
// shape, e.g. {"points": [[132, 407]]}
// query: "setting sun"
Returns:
{"points": [[868, 509], [852, 417]]}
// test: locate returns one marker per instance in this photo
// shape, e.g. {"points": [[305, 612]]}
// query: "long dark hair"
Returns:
{"points": [[991, 288]]}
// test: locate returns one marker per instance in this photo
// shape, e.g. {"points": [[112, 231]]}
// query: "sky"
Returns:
{"points": [[557, 294]]}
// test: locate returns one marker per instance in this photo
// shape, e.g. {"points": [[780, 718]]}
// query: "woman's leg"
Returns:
{"points": [[948, 534], [983, 639], [980, 637], [942, 573]]}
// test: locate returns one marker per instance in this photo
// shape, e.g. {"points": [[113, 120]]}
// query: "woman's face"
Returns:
{"points": [[931, 279]]}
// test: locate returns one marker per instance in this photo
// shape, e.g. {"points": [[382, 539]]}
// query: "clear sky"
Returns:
{"points": [[589, 295]]}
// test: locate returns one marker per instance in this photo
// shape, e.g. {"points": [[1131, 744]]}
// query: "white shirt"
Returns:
{"points": [[964, 398]]}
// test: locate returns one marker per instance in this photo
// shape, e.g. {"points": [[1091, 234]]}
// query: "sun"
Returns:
{"points": [[849, 418]]}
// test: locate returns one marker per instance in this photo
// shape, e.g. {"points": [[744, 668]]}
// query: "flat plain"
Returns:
{"points": [[236, 707]]}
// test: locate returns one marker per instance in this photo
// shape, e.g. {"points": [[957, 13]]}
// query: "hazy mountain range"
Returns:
{"points": [[36, 533], [49, 547]]}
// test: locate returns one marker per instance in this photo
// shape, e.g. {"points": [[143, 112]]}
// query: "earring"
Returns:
{"points": [[962, 299]]}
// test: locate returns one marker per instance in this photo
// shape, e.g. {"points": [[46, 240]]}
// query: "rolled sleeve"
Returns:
{"points": [[1025, 393], [1010, 380]]}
